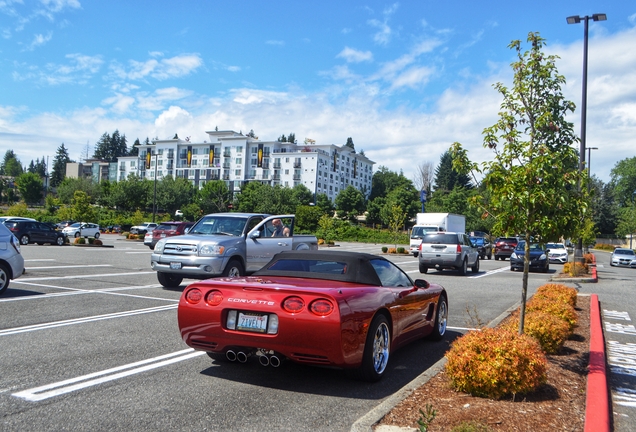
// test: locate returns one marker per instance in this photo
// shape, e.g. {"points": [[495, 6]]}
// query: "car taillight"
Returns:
{"points": [[459, 248], [194, 296], [214, 298], [321, 307], [16, 244], [293, 304]]}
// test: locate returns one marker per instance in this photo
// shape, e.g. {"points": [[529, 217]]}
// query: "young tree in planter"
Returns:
{"points": [[535, 186]]}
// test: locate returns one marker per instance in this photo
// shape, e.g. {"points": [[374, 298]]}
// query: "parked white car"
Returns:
{"points": [[82, 229], [143, 228], [623, 257], [558, 253], [11, 260]]}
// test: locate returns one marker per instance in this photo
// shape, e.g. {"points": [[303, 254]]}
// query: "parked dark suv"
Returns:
{"points": [[504, 247], [35, 232], [448, 250]]}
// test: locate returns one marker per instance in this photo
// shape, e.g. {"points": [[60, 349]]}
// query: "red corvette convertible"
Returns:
{"points": [[338, 309]]}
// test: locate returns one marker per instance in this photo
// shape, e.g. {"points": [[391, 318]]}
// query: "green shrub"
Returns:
{"points": [[80, 240], [400, 250], [495, 363], [384, 249], [471, 426], [550, 331]]}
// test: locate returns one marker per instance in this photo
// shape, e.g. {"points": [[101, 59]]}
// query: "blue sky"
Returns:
{"points": [[404, 79]]}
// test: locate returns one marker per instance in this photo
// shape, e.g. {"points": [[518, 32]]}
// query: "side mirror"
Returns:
{"points": [[421, 283], [255, 234]]}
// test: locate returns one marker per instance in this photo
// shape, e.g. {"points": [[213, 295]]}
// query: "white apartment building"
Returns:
{"points": [[237, 158]]}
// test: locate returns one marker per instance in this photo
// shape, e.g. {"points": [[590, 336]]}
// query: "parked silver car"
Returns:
{"points": [[448, 250], [623, 257], [11, 260]]}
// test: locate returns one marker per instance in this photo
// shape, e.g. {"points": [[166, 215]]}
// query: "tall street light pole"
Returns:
{"points": [[578, 252], [154, 198], [589, 164]]}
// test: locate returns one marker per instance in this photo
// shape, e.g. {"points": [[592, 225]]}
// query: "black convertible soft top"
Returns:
{"points": [[354, 267]]}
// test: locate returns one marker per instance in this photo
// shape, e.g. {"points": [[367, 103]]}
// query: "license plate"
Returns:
{"points": [[252, 322], [175, 265], [163, 235]]}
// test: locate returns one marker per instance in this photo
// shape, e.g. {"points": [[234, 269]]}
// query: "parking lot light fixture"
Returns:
{"points": [[578, 253]]}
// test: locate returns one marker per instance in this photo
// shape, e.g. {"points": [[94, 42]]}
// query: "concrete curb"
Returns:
{"points": [[597, 415]]}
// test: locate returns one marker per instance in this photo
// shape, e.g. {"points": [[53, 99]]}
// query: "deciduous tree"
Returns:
{"points": [[534, 178]]}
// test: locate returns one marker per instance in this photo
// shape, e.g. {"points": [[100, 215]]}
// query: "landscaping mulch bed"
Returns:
{"points": [[559, 405]]}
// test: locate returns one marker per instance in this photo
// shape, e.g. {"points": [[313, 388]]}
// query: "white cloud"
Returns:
{"points": [[39, 40], [383, 35], [354, 56], [275, 42], [163, 69]]}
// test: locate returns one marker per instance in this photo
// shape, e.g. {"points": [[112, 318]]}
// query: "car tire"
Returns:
{"points": [[423, 269], [24, 240], [475, 268], [97, 235], [441, 320], [77, 234], [496, 258], [489, 256], [40, 244], [169, 280], [415, 254], [376, 350], [59, 241], [4, 277], [233, 269], [151, 247], [463, 269], [546, 268]]}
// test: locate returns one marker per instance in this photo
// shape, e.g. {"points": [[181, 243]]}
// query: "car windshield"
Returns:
{"points": [[75, 225], [418, 232], [479, 241], [223, 225], [624, 252], [555, 246], [521, 246]]}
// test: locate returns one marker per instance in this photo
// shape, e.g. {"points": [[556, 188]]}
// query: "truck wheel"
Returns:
{"points": [[233, 269], [464, 268], [423, 269], [415, 254], [169, 280]]}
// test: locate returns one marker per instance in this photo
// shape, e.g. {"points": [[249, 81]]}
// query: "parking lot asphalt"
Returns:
{"points": [[90, 342]]}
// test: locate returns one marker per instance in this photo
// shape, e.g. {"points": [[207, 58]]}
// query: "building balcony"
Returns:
{"points": [[297, 164]]}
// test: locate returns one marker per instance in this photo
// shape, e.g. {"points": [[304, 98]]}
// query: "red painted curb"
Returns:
{"points": [[597, 417]]}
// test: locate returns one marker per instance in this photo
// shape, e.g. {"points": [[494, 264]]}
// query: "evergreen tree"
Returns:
{"points": [[30, 187], [102, 148], [447, 178], [59, 166], [11, 165], [134, 150], [350, 144], [291, 138]]}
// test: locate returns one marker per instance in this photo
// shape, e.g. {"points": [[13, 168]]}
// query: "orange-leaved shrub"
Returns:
{"points": [[392, 250], [98, 242], [557, 292], [575, 268], [496, 362], [561, 310], [588, 258], [549, 330]]}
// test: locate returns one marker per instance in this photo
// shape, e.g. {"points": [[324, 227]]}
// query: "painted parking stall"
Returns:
{"points": [[621, 356]]}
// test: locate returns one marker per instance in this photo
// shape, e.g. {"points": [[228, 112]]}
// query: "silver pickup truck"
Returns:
{"points": [[226, 244]]}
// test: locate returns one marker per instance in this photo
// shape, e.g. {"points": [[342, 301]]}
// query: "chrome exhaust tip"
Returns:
{"points": [[241, 357], [274, 361], [263, 360], [230, 355]]}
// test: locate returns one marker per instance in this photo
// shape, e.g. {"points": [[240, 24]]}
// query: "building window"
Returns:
{"points": [[239, 149], [132, 163], [239, 160], [237, 172]]}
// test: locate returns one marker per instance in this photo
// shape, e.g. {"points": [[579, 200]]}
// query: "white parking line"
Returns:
{"points": [[76, 291], [67, 267], [92, 276], [62, 387], [45, 326]]}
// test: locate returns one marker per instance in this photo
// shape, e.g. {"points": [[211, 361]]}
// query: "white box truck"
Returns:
{"points": [[434, 222]]}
